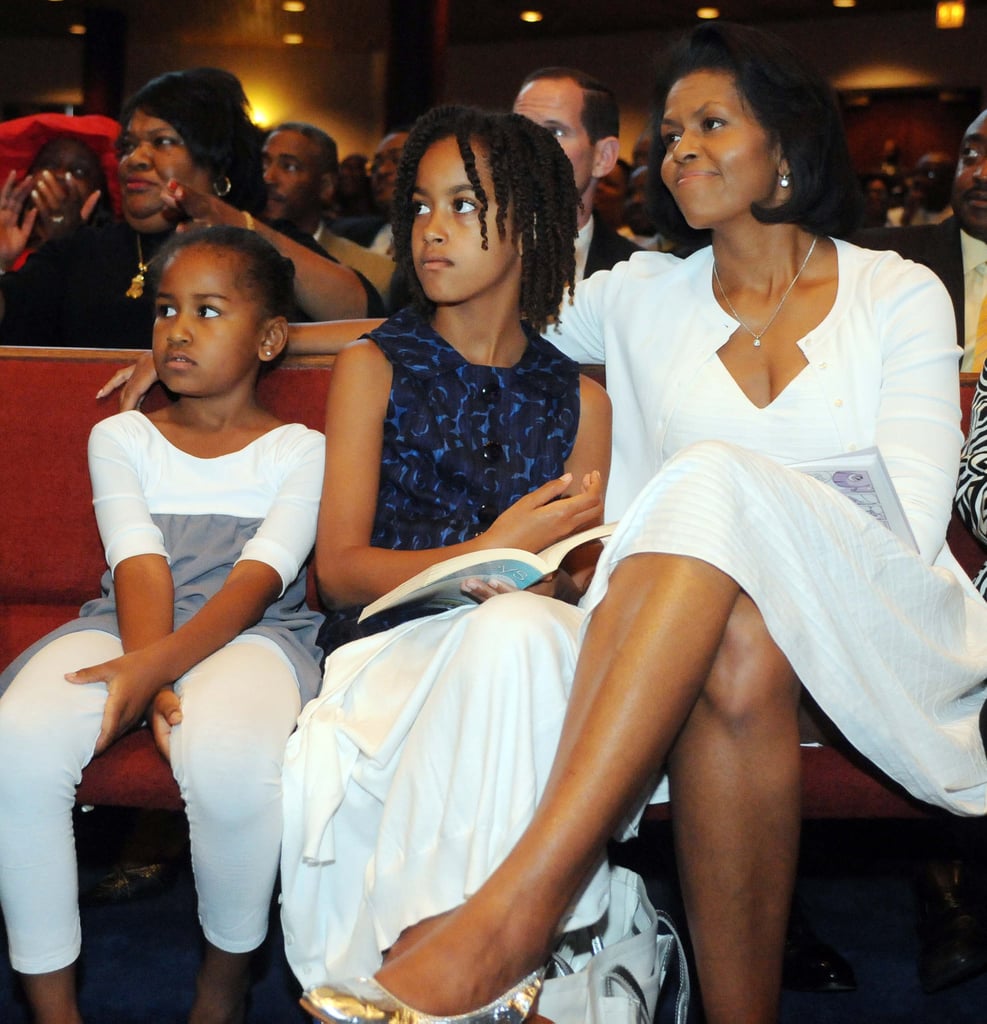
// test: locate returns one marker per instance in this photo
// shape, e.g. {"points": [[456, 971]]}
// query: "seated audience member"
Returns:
{"points": [[353, 196], [877, 200], [927, 196], [891, 159], [638, 224], [53, 170], [582, 114], [453, 428], [301, 172], [188, 152], [956, 248], [374, 231], [611, 194], [207, 510], [891, 167], [642, 150]]}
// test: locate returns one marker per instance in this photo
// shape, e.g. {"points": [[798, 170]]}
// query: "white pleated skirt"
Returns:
{"points": [[414, 772]]}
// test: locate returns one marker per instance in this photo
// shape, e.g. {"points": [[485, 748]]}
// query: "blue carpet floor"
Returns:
{"points": [[139, 960]]}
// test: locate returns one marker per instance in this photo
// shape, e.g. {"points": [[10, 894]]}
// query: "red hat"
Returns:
{"points": [[21, 138]]}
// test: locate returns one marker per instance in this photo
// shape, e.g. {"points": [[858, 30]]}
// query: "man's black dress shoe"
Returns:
{"points": [[952, 925], [122, 884], [810, 965]]}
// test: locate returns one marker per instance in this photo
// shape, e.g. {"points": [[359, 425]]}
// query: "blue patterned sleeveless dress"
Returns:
{"points": [[462, 443]]}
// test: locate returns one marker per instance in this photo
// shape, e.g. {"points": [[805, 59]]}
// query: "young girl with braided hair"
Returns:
{"points": [[454, 427]]}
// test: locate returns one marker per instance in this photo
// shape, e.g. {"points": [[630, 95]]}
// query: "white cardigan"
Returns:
{"points": [[885, 359]]}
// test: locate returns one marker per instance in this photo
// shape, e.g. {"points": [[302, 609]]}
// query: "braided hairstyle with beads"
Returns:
{"points": [[532, 177]]}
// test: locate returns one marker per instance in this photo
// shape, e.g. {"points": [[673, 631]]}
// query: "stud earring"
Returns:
{"points": [[785, 180]]}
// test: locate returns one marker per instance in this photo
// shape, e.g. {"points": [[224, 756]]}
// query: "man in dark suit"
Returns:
{"points": [[373, 231], [582, 113], [956, 249]]}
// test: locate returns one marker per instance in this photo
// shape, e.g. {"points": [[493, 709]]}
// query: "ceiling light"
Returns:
{"points": [[77, 29], [708, 13], [950, 15], [293, 6], [531, 17], [844, 3], [293, 39]]}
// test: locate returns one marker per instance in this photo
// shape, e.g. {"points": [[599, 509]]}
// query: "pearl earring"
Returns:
{"points": [[785, 180]]}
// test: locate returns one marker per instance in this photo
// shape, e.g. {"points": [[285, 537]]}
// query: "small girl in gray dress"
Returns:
{"points": [[207, 511]]}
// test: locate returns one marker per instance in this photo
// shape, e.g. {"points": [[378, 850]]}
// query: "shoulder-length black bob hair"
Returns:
{"points": [[794, 105], [208, 108]]}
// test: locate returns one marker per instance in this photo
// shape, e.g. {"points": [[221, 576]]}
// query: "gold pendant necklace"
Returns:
{"points": [[136, 289], [788, 291]]}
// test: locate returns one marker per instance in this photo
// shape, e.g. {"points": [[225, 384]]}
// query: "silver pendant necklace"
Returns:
{"points": [[757, 335]]}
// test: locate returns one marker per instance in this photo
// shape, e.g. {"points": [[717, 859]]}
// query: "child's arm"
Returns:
{"points": [[155, 654], [135, 678], [145, 598], [592, 448], [325, 337], [349, 570]]}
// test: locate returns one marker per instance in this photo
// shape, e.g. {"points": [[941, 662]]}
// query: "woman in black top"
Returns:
{"points": [[188, 153]]}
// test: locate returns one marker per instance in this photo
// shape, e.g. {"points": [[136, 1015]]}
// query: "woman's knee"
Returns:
{"points": [[750, 675]]}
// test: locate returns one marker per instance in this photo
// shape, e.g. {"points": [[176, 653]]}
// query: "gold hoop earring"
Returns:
{"points": [[222, 186]]}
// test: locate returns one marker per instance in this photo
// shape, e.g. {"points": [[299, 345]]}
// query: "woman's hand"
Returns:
{"points": [[131, 683], [136, 380], [14, 232], [547, 515], [191, 208], [62, 205], [166, 713]]}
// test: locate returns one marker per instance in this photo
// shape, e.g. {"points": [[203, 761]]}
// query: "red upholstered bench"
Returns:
{"points": [[51, 559]]}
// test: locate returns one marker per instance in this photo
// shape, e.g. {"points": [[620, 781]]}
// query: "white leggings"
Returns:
{"points": [[239, 707]]}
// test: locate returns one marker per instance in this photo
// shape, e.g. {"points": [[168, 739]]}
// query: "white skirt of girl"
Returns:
{"points": [[413, 773]]}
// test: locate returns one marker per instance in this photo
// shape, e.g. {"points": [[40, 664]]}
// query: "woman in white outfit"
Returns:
{"points": [[732, 579]]}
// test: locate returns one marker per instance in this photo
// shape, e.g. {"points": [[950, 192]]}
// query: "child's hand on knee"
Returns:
{"points": [[131, 687], [166, 712]]}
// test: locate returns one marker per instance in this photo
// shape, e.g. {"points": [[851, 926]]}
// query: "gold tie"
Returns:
{"points": [[980, 348]]}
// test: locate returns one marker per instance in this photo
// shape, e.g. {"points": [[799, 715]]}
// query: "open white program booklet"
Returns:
{"points": [[863, 477], [441, 585]]}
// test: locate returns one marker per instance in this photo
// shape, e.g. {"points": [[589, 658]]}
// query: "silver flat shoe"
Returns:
{"points": [[366, 1001]]}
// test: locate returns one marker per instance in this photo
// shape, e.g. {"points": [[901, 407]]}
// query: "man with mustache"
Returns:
{"points": [[301, 168], [957, 248]]}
